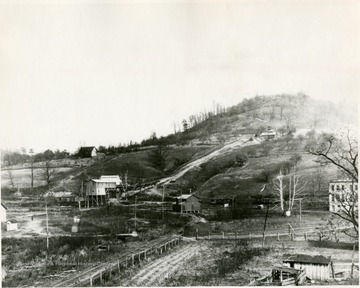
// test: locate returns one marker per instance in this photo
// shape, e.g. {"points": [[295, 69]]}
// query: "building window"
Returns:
{"points": [[342, 187], [332, 187], [356, 187], [351, 187], [337, 187]]}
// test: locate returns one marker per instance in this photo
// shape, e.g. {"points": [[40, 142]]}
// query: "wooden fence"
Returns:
{"points": [[100, 274], [294, 234]]}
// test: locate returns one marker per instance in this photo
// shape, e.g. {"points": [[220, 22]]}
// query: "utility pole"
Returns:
{"points": [[300, 210], [162, 203], [266, 216], [47, 226], [181, 208], [135, 212]]}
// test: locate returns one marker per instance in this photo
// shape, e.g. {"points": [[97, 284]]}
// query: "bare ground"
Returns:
{"points": [[155, 273]]}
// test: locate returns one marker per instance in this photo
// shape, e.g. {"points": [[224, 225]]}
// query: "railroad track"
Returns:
{"points": [[90, 272]]}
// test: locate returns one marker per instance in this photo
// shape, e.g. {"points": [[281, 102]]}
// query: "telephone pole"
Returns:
{"points": [[47, 226]]}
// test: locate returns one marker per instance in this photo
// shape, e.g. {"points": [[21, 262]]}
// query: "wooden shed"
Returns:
{"points": [[187, 204], [316, 267]]}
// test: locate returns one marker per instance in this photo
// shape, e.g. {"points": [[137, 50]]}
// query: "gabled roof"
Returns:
{"points": [[302, 258], [86, 150], [186, 196], [11, 221], [108, 179]]}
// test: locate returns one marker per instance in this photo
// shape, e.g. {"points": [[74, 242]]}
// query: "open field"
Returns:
{"points": [[22, 177]]}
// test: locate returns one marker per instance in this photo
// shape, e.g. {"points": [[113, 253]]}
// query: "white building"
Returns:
{"points": [[11, 225], [98, 190], [269, 134], [342, 192]]}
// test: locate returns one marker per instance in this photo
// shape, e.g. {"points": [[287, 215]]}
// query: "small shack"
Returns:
{"points": [[187, 203], [11, 225], [316, 267]]}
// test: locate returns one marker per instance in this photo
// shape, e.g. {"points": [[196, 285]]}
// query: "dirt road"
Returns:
{"points": [[155, 273], [196, 163]]}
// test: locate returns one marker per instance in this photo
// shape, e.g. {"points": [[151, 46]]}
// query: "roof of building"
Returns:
{"points": [[4, 206], [11, 221], [303, 258], [185, 196], [268, 133], [108, 179], [343, 181]]}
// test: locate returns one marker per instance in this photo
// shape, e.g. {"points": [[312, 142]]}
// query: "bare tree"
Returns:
{"points": [[125, 177], [11, 178], [279, 187], [348, 200], [48, 172], [343, 153], [298, 187]]}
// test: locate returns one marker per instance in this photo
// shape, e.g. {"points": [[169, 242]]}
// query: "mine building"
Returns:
{"points": [[99, 190], [187, 203]]}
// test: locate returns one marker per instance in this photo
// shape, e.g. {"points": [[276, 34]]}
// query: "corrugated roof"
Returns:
{"points": [[303, 258]]}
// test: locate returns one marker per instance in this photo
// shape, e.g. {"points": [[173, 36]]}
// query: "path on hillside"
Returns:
{"points": [[244, 141], [156, 272]]}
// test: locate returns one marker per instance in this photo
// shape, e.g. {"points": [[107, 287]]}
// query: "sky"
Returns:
{"points": [[108, 72]]}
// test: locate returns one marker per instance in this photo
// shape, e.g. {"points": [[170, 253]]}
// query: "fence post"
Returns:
{"points": [[278, 236], [209, 235], [118, 265], [133, 259], [126, 264], [292, 236], [145, 254], [352, 262], [249, 236], [223, 235], [197, 233], [305, 236], [139, 257], [101, 280]]}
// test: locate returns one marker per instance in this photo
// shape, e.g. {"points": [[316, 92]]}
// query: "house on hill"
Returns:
{"points": [[268, 134], [187, 203], [342, 194], [99, 190], [87, 152], [3, 210]]}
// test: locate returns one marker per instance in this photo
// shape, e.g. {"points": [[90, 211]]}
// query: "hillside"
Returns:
{"points": [[205, 157]]}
